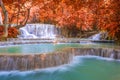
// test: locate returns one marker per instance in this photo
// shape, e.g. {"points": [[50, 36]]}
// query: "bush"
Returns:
{"points": [[12, 32]]}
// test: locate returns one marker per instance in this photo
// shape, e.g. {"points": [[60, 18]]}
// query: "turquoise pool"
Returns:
{"points": [[81, 68], [47, 47]]}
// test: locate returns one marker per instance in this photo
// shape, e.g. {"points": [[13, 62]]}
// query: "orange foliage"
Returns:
{"points": [[109, 18], [65, 13], [17, 10], [83, 14], [12, 32]]}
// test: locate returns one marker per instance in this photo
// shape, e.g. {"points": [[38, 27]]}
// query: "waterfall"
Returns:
{"points": [[102, 52], [39, 61], [96, 36], [32, 62], [99, 36], [26, 34], [38, 31]]}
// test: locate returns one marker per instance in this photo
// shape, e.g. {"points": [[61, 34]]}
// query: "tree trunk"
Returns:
{"points": [[24, 22], [5, 20], [1, 22]]}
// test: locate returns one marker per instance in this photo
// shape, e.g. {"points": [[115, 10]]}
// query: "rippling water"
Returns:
{"points": [[82, 68]]}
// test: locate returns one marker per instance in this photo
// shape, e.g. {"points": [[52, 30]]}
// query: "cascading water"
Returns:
{"points": [[32, 62], [26, 34], [96, 37], [70, 63], [38, 31], [99, 36], [39, 61]]}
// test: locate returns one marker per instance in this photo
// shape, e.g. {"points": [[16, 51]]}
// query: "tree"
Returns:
{"points": [[19, 11], [5, 20], [83, 15], [109, 18]]}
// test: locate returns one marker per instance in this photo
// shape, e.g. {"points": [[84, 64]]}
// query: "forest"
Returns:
{"points": [[75, 16]]}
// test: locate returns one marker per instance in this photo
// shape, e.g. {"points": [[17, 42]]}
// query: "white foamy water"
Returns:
{"points": [[38, 31], [78, 60]]}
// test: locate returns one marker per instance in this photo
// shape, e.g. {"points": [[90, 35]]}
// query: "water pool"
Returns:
{"points": [[82, 68], [47, 47]]}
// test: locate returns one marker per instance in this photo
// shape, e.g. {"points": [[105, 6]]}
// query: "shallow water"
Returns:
{"points": [[82, 68], [48, 47]]}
